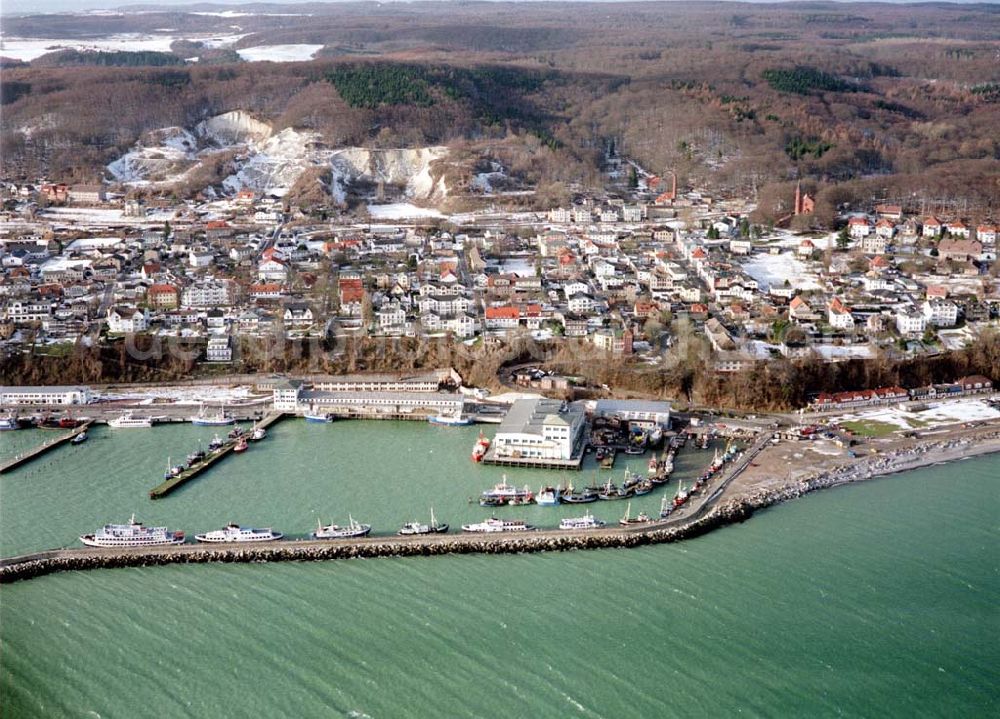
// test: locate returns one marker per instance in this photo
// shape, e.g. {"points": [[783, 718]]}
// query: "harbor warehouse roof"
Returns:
{"points": [[528, 416], [634, 409]]}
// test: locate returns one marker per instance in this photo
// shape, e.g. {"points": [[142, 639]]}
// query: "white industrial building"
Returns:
{"points": [[539, 429], [55, 395]]}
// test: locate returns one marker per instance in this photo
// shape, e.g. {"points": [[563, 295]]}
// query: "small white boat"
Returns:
{"points": [[587, 521], [454, 420], [80, 438], [320, 418], [9, 423], [335, 531], [258, 434], [235, 533], [127, 420]]}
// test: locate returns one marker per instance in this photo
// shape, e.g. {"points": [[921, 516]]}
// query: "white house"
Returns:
{"points": [[126, 320], [940, 312], [219, 349], [910, 322]]}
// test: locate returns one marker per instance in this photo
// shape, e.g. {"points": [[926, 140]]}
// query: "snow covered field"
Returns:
{"points": [[181, 395], [101, 216], [279, 53], [937, 414], [774, 270], [401, 211], [28, 49]]}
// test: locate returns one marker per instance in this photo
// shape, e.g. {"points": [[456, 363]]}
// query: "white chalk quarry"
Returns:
{"points": [[272, 162]]}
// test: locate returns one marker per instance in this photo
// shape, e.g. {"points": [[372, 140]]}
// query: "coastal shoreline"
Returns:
{"points": [[728, 510]]}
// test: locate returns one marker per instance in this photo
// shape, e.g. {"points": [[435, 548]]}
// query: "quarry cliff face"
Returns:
{"points": [[272, 162]]}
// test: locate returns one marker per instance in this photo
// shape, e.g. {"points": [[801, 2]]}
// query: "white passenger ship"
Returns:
{"points": [[132, 534], [498, 525], [587, 521], [235, 533], [127, 420]]}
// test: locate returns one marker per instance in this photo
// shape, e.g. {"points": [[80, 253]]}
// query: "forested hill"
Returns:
{"points": [[857, 98]]}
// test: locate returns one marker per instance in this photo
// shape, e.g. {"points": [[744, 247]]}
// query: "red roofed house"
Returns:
{"points": [[839, 316], [265, 291], [957, 228], [932, 227], [858, 227], [939, 291], [163, 297], [987, 234], [504, 317], [351, 290]]}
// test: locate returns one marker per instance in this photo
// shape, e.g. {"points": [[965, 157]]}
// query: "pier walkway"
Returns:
{"points": [[36, 452], [168, 486]]}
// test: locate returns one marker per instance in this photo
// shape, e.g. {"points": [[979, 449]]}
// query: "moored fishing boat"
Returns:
{"points": [[612, 491], [9, 422], [628, 520], [258, 434], [235, 533], [504, 493], [218, 419], [241, 445], [319, 418], [128, 420], [643, 486], [665, 507], [216, 444], [479, 450], [493, 524], [80, 438], [173, 470], [547, 497], [587, 521], [335, 531], [133, 534], [681, 497], [413, 528]]}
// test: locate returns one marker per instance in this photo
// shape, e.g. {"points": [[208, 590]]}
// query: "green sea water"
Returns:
{"points": [[874, 600]]}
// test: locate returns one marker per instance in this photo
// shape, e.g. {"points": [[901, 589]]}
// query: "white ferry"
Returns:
{"points": [[335, 531], [498, 525], [132, 534], [127, 420], [9, 422], [235, 533], [587, 521]]}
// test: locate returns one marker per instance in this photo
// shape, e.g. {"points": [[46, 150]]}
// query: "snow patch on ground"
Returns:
{"points": [[773, 270], [401, 211], [937, 414], [279, 53], [27, 49]]}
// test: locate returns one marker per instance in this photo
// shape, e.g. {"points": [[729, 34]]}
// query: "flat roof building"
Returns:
{"points": [[539, 429]]}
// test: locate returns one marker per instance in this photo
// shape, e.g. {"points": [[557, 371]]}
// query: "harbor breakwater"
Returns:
{"points": [[726, 511]]}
